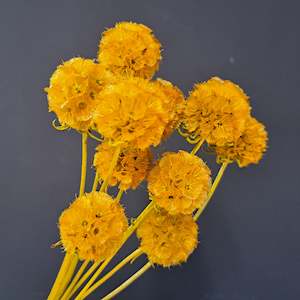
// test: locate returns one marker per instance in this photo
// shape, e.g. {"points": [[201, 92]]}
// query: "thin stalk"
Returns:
{"points": [[75, 280], [197, 147], [119, 195], [127, 234], [62, 271], [83, 279], [212, 190], [134, 255], [128, 282], [83, 163], [65, 281], [111, 169], [96, 182]]}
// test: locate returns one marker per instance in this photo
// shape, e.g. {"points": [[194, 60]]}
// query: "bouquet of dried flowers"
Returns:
{"points": [[116, 101]]}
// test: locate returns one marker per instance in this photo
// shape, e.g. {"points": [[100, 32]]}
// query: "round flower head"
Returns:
{"points": [[248, 148], [73, 89], [168, 240], [132, 112], [131, 168], [92, 226], [130, 49], [179, 183], [216, 111], [174, 103]]}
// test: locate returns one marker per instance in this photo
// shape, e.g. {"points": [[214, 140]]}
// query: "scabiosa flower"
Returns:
{"points": [[216, 111], [168, 240], [179, 182], [248, 148], [132, 112], [130, 49], [93, 226], [175, 104], [73, 89], [131, 168]]}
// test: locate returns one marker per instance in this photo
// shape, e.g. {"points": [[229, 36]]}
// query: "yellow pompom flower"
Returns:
{"points": [[179, 182], [93, 226], [131, 169], [73, 89], [174, 104], [216, 111], [248, 148], [130, 49], [168, 240], [132, 112]]}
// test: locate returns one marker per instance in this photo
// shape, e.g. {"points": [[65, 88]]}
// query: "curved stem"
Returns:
{"points": [[75, 280], [111, 169], [127, 234], [83, 163], [212, 190], [134, 255], [128, 282]]}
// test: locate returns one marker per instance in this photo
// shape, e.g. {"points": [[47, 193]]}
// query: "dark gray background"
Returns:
{"points": [[249, 236]]}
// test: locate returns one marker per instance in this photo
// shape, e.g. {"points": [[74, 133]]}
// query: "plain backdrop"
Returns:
{"points": [[249, 235]]}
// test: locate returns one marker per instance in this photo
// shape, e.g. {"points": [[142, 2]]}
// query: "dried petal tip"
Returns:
{"points": [[179, 183], [168, 240], [130, 49], [93, 226]]}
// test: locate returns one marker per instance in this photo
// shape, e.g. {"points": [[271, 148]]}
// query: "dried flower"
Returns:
{"points": [[175, 104], [73, 89], [249, 148], [168, 240], [179, 183], [93, 226], [130, 49], [132, 112], [216, 111], [131, 168]]}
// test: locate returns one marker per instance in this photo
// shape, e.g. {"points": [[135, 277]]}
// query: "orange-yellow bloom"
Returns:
{"points": [[174, 104], [216, 111], [130, 49], [179, 182], [168, 240], [132, 112], [73, 89], [93, 226], [131, 168], [248, 148]]}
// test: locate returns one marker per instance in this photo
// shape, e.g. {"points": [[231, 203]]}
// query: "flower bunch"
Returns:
{"points": [[115, 100]]}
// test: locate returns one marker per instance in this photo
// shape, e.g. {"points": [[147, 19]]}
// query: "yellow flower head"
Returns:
{"points": [[179, 183], [73, 89], [216, 111], [93, 226], [132, 112], [130, 49], [174, 104], [131, 169], [249, 148], [168, 240]]}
